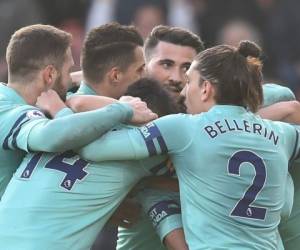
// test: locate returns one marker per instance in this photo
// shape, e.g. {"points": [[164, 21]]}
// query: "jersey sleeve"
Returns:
{"points": [[274, 93], [163, 210], [66, 132], [164, 135], [296, 150], [64, 112]]}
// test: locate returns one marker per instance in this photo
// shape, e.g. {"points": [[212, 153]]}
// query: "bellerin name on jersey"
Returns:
{"points": [[225, 126]]}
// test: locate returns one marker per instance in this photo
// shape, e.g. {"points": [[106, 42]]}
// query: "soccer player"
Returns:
{"points": [[111, 60], [229, 161], [169, 52], [60, 201], [287, 110], [39, 58]]}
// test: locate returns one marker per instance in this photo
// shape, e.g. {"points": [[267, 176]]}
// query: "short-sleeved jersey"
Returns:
{"points": [[230, 164], [59, 201], [14, 115]]}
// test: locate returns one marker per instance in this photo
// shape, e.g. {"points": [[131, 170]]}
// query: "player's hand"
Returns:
{"points": [[126, 214], [50, 103], [141, 113]]}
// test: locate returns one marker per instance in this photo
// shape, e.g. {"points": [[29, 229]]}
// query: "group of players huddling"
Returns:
{"points": [[188, 143]]}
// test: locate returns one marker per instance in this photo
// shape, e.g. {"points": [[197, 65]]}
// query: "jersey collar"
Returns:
{"points": [[85, 89], [228, 109]]}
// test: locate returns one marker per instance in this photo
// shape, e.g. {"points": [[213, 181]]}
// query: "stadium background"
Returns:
{"points": [[274, 24]]}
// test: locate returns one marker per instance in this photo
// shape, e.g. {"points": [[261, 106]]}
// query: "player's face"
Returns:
{"points": [[63, 81], [168, 64], [134, 72], [193, 91]]}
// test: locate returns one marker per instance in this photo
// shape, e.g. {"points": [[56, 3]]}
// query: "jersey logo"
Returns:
{"points": [[162, 210], [151, 134], [34, 114]]}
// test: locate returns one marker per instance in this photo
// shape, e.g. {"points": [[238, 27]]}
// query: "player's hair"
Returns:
{"points": [[157, 97], [174, 35], [235, 72], [33, 47], [107, 46]]}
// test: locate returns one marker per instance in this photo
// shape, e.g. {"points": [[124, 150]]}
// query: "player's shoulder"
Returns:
{"points": [[12, 111], [285, 131], [178, 118], [276, 93]]}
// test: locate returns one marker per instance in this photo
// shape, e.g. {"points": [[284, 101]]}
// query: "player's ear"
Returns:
{"points": [[49, 75], [114, 75], [207, 91]]}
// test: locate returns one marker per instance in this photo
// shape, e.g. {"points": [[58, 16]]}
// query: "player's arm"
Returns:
{"points": [[71, 131], [82, 103], [165, 135], [66, 132], [164, 211], [282, 111]]}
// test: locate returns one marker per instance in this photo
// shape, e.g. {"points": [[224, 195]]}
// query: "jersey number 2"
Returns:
{"points": [[74, 171], [243, 208]]}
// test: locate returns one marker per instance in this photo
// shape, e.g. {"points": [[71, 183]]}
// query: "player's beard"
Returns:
{"points": [[181, 104], [59, 88]]}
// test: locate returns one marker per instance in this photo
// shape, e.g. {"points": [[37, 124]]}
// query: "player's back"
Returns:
{"points": [[232, 177], [59, 201]]}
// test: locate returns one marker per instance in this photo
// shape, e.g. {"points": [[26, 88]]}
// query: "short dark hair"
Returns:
{"points": [[108, 46], [174, 35], [157, 97], [33, 47], [235, 72]]}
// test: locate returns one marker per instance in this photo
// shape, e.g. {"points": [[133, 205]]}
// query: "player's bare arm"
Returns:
{"points": [[141, 113], [282, 111]]}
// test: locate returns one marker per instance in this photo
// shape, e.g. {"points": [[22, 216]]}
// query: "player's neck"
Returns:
{"points": [[102, 89], [26, 91]]}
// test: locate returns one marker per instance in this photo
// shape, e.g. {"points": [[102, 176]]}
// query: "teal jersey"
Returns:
{"points": [[84, 89], [274, 93], [59, 201], [290, 229], [230, 164], [140, 236], [24, 128], [143, 234], [14, 115], [161, 215], [163, 209]]}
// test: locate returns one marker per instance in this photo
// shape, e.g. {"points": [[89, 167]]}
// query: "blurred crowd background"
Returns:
{"points": [[273, 24]]}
